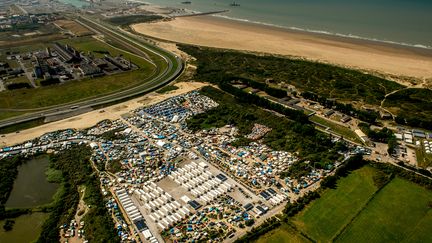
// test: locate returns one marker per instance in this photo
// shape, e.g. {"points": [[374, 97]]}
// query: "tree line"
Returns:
{"points": [[243, 96]]}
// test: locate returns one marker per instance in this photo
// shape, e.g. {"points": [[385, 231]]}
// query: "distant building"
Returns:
{"points": [[329, 113], [90, 70], [345, 119], [42, 69], [119, 62], [363, 137], [385, 115], [38, 72], [418, 133], [254, 91], [48, 52], [398, 136], [67, 53], [293, 102], [240, 86]]}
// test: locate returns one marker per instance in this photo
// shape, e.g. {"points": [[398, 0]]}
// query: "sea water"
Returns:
{"points": [[407, 22], [76, 3]]}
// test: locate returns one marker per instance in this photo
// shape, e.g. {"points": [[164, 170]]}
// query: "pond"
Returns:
{"points": [[31, 187], [26, 229]]}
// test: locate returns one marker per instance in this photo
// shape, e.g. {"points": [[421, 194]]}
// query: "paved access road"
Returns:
{"points": [[168, 67]]}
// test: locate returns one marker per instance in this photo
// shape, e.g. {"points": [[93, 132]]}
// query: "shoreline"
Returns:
{"points": [[288, 28], [348, 37], [219, 32], [329, 36]]}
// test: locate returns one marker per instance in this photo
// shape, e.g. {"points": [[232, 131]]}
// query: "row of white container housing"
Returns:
{"points": [[163, 209], [127, 204], [200, 182]]}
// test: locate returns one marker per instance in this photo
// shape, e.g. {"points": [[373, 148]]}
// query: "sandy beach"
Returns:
{"points": [[92, 118], [217, 32]]}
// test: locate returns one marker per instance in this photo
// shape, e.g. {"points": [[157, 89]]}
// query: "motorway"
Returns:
{"points": [[167, 71]]}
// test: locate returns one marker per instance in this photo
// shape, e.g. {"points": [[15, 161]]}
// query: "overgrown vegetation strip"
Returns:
{"points": [[76, 170], [8, 174]]}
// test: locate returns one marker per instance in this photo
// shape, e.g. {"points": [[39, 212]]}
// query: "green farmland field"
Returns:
{"points": [[325, 217], [401, 212], [356, 211]]}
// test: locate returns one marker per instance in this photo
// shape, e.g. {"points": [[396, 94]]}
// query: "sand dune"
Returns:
{"points": [[223, 33]]}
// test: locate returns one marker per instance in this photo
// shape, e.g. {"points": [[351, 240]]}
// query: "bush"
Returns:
{"points": [[353, 163], [241, 141], [18, 86], [381, 179], [249, 222], [329, 182], [114, 166], [383, 136], [368, 116], [167, 89], [8, 225], [255, 232], [81, 212], [48, 82], [406, 174], [292, 209]]}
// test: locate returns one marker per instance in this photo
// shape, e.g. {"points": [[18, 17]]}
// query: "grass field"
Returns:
{"points": [[167, 89], [17, 80], [356, 211], [97, 48], [401, 212], [34, 40], [283, 234], [72, 91], [12, 64], [22, 49], [21, 126], [336, 128], [82, 89], [6, 114], [73, 27], [325, 217]]}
